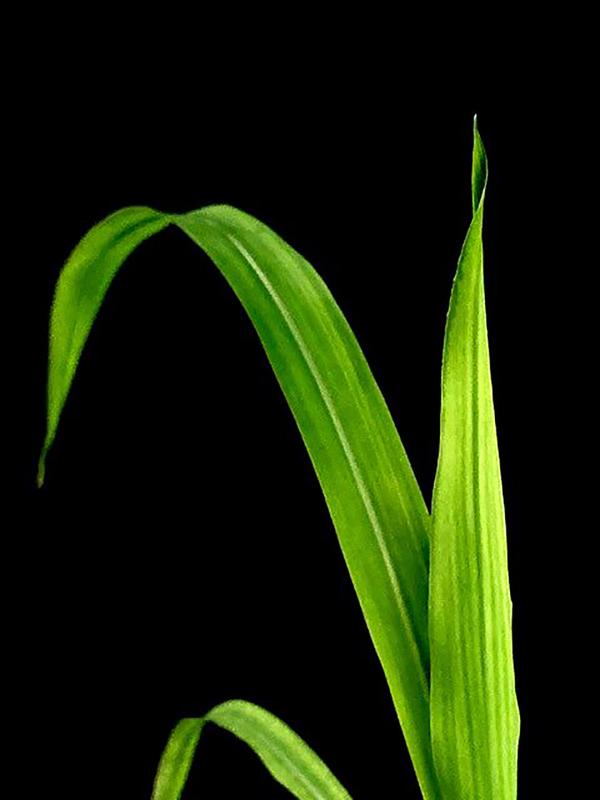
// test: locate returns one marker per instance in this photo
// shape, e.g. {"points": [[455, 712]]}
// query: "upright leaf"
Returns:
{"points": [[474, 714], [287, 757], [375, 503]]}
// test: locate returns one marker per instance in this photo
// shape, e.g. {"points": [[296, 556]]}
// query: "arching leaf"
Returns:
{"points": [[287, 757], [375, 503]]}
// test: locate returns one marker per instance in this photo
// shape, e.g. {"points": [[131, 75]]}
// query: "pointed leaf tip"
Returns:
{"points": [[41, 472], [479, 173], [474, 713]]}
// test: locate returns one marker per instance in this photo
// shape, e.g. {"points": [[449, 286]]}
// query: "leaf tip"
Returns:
{"points": [[479, 167], [41, 470]]}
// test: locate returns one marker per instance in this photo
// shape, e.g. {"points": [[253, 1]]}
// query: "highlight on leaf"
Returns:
{"points": [[433, 589]]}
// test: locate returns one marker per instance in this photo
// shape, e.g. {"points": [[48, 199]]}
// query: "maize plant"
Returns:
{"points": [[432, 584]]}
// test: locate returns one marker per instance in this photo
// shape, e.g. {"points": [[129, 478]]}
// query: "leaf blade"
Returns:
{"points": [[382, 522], [81, 289], [474, 714], [176, 759], [291, 762], [377, 508]]}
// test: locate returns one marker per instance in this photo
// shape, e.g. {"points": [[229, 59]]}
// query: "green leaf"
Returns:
{"points": [[287, 757], [176, 760], [474, 713], [78, 297], [375, 503]]}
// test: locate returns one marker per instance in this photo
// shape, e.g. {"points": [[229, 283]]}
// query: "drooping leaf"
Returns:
{"points": [[78, 297], [375, 503], [474, 714], [176, 759], [287, 757]]}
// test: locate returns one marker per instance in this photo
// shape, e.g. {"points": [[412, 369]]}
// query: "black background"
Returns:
{"points": [[181, 553]]}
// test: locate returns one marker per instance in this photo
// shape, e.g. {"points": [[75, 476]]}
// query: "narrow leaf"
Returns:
{"points": [[176, 760], [287, 757], [375, 503], [474, 714], [78, 297]]}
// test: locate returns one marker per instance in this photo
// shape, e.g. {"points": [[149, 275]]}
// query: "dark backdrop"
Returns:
{"points": [[181, 553]]}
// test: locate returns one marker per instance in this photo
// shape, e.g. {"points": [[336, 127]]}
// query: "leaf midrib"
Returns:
{"points": [[347, 450]]}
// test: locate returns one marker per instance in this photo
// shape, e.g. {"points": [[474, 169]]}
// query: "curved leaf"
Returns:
{"points": [[287, 757], [375, 503], [83, 283], [474, 714]]}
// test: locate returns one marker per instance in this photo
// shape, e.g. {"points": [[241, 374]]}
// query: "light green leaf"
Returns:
{"points": [[474, 713], [287, 757], [375, 503], [176, 759]]}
